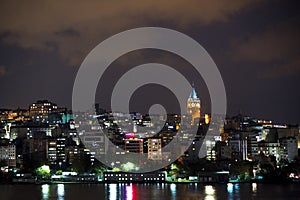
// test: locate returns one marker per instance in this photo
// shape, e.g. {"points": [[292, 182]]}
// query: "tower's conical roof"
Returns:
{"points": [[193, 93]]}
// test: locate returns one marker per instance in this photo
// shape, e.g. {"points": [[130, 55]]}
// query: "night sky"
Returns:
{"points": [[255, 44]]}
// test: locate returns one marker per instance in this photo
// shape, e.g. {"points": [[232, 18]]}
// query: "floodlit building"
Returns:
{"points": [[154, 149], [210, 150], [269, 148], [193, 106], [41, 110], [133, 177]]}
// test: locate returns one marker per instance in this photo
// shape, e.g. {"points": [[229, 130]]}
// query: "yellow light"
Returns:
{"points": [[207, 120]]}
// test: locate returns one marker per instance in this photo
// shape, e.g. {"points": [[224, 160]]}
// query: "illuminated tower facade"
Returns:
{"points": [[193, 105]]}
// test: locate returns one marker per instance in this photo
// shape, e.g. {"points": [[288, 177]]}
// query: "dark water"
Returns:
{"points": [[150, 191]]}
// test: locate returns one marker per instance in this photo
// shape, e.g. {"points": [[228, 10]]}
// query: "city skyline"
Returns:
{"points": [[46, 134], [95, 110]]}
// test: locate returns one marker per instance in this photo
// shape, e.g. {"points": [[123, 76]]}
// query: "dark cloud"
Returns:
{"points": [[2, 70], [36, 24], [68, 33], [281, 70], [276, 47]]}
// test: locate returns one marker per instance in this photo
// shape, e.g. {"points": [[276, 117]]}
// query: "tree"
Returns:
{"points": [[242, 170], [58, 172], [115, 169], [3, 163], [81, 164], [98, 168], [43, 172], [129, 166]]}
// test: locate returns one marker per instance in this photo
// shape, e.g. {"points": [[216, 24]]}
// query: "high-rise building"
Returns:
{"points": [[134, 145], [239, 149], [289, 148], [34, 151], [210, 150], [192, 153], [60, 149], [154, 149], [223, 151], [74, 153], [193, 105], [95, 141], [8, 154], [252, 144], [52, 151]]}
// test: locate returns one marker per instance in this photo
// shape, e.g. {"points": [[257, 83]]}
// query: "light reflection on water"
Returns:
{"points": [[254, 187], [173, 190], [229, 188], [112, 191], [45, 191], [129, 191], [60, 191], [149, 191], [209, 192]]}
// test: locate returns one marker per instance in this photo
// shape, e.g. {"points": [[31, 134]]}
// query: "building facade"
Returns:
{"points": [[8, 154], [193, 106]]}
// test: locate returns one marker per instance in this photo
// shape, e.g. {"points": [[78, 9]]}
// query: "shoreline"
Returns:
{"points": [[167, 182]]}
